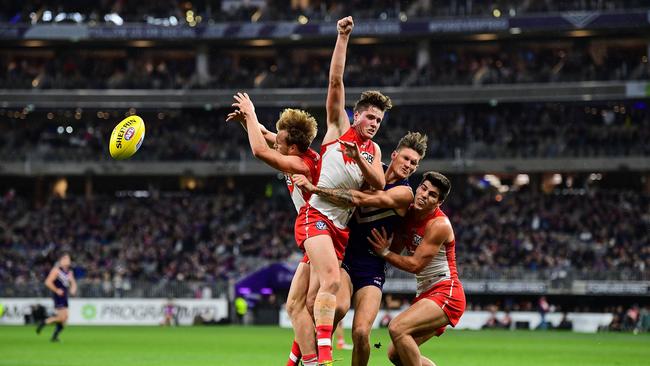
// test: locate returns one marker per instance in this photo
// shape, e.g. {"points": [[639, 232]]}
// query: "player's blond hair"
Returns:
{"points": [[373, 98], [301, 127], [415, 141]]}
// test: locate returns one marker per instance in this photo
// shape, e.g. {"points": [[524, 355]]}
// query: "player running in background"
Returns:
{"points": [[349, 157], [61, 282], [291, 155], [429, 240], [363, 272], [339, 334]]}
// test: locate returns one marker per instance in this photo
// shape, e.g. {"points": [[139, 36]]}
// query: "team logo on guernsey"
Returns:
{"points": [[320, 225], [417, 239], [288, 178]]}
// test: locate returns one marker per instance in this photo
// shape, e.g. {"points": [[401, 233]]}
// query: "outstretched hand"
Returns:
{"points": [[344, 26], [236, 116], [303, 183], [245, 108], [350, 149]]}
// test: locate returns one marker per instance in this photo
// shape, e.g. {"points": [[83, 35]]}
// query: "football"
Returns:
{"points": [[126, 138]]}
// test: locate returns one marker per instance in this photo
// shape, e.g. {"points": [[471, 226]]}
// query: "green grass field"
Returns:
{"points": [[235, 346]]}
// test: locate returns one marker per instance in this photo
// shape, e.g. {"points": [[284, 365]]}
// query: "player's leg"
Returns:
{"points": [[51, 319], [303, 325], [422, 319], [314, 286], [320, 250], [343, 297], [62, 314], [367, 301], [342, 306], [419, 339]]}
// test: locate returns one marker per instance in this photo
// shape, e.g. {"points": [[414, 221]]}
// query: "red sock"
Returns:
{"points": [[310, 360], [324, 338], [340, 342], [294, 356]]}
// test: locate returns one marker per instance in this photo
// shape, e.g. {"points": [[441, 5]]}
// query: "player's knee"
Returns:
{"points": [[331, 285], [360, 334], [294, 306], [396, 329]]}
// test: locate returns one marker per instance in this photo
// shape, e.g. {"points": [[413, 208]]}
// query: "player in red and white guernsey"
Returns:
{"points": [[349, 157], [290, 155], [429, 242]]}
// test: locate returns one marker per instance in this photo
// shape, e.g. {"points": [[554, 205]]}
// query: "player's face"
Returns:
{"points": [[367, 122], [427, 197], [281, 142], [65, 261], [405, 161]]}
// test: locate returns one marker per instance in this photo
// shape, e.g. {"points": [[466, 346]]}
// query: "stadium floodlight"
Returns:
{"points": [[114, 18]]}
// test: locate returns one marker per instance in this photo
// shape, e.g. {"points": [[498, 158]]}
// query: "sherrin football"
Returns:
{"points": [[126, 138]]}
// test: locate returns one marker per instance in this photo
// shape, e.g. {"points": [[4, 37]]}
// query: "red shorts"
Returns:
{"points": [[450, 296], [305, 259], [310, 222]]}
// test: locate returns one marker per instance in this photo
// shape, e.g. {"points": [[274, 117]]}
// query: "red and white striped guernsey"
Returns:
{"points": [[300, 198], [339, 171], [443, 264]]}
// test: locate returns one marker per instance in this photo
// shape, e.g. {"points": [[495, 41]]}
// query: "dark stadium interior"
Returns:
{"points": [[537, 110]]}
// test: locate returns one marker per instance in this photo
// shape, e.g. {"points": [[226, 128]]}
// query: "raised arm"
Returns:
{"points": [[337, 120], [261, 150], [436, 234]]}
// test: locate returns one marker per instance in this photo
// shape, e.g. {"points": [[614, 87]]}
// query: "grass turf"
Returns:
{"points": [[233, 345]]}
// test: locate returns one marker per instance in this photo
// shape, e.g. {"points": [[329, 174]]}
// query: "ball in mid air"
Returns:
{"points": [[126, 138]]}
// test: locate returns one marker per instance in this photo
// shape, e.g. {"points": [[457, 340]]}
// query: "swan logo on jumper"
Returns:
{"points": [[320, 225], [129, 133]]}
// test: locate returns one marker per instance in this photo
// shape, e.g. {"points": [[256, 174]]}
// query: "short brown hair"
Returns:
{"points": [[415, 141], [440, 181], [301, 127], [373, 98]]}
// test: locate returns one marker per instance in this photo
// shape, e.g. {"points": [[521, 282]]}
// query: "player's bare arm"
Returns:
{"points": [[259, 147], [73, 284], [238, 116], [437, 233], [397, 197], [337, 120], [49, 281]]}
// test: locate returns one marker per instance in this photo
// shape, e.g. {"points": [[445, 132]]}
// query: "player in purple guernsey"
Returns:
{"points": [[363, 273], [61, 282]]}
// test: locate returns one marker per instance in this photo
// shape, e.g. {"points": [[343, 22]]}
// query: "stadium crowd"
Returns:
{"points": [[538, 130], [290, 68], [35, 11], [187, 237]]}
